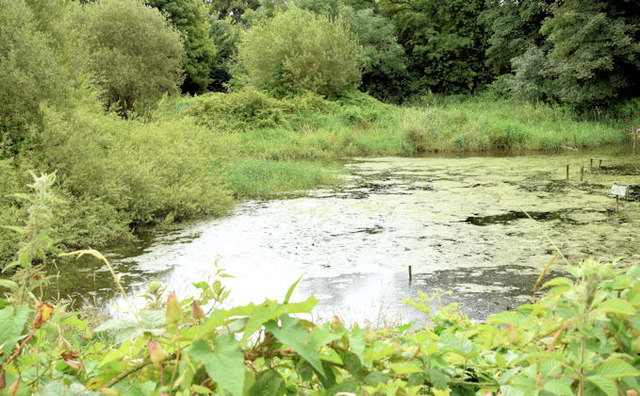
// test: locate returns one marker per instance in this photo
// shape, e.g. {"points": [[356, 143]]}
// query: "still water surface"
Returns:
{"points": [[458, 222]]}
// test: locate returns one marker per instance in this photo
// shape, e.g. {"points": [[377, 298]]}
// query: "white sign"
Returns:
{"points": [[619, 190]]}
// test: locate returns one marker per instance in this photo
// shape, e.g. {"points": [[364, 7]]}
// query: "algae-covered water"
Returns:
{"points": [[462, 224]]}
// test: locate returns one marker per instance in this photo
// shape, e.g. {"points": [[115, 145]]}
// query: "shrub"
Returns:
{"points": [[297, 51], [135, 53], [115, 173], [250, 108]]}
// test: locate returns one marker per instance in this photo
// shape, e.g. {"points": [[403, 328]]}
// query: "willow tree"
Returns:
{"points": [[299, 51], [136, 55]]}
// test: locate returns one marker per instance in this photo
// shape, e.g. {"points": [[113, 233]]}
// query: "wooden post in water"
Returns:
{"points": [[617, 207], [591, 163], [582, 173], [567, 172], [410, 275]]}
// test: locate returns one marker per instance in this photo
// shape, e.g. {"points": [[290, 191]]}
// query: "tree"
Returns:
{"points": [[513, 26], [530, 79], [190, 18], [234, 9], [595, 53], [136, 54], [443, 41], [34, 69], [298, 51], [226, 35], [384, 62]]}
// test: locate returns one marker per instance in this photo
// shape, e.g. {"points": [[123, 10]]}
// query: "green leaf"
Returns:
{"points": [[12, 321], [268, 383], [558, 281], [348, 387], [116, 354], [439, 378], [558, 387], [293, 334], [225, 366], [607, 385], [451, 343], [263, 313], [617, 305], [351, 363], [305, 306], [201, 390], [153, 319], [405, 368], [117, 324], [287, 297], [74, 322], [376, 378], [506, 317], [616, 368], [19, 230], [357, 343], [9, 284]]}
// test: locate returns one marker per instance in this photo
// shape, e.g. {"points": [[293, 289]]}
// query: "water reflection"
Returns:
{"points": [[458, 222]]}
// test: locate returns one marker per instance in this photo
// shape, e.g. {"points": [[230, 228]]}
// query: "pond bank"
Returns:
{"points": [[459, 222]]}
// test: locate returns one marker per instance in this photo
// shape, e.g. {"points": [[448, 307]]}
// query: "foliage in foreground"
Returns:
{"points": [[582, 337]]}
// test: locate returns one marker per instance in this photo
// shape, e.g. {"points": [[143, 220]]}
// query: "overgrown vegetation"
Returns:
{"points": [[581, 338]]}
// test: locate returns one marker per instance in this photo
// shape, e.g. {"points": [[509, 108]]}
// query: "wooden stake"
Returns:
{"points": [[410, 275], [591, 164], [567, 172], [617, 205], [582, 173], [600, 163]]}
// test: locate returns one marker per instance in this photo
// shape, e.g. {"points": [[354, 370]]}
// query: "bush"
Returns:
{"points": [[136, 55], [298, 51], [250, 108], [115, 173]]}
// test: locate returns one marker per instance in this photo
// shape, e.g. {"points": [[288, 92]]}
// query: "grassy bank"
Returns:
{"points": [[195, 156]]}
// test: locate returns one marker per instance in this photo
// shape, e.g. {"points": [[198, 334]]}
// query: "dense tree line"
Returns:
{"points": [[131, 52]]}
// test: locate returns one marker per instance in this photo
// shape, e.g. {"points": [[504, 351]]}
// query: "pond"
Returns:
{"points": [[482, 228]]}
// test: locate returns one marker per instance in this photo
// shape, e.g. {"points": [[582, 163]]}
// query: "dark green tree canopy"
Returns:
{"points": [[513, 26], [190, 18], [444, 43], [595, 53]]}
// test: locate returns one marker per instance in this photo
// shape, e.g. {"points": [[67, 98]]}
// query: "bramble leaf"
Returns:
{"points": [[293, 334]]}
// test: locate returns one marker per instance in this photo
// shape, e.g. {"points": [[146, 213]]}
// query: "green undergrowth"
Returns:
{"points": [[581, 338], [250, 178], [481, 125]]}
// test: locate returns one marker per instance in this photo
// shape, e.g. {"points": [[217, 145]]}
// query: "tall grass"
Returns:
{"points": [[482, 124]]}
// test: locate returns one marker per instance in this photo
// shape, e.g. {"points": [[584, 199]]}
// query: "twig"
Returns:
{"points": [[99, 256], [132, 370]]}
